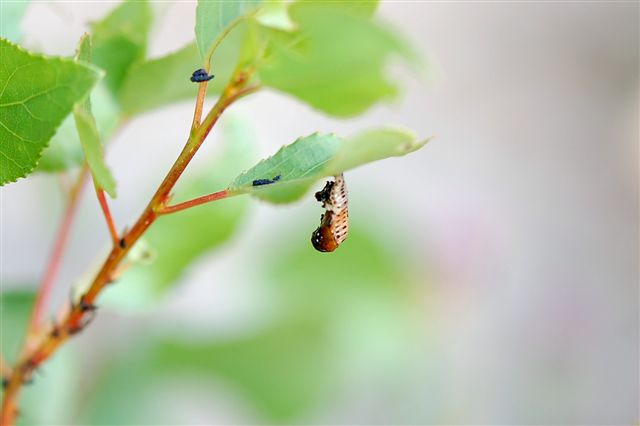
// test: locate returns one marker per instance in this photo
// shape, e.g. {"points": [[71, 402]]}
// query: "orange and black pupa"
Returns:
{"points": [[334, 223]]}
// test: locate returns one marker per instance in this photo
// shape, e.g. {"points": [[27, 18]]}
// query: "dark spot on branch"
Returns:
{"points": [[200, 75], [55, 332], [122, 243], [85, 306], [84, 322], [5, 382]]}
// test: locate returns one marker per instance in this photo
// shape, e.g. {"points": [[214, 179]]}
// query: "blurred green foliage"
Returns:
{"points": [[348, 312], [336, 59], [88, 131], [334, 316]]}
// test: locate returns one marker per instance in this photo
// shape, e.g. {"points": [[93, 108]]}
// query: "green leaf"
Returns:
{"points": [[88, 132], [374, 145], [120, 39], [313, 157], [90, 140], [11, 13], [213, 18], [179, 239], [336, 61], [64, 150], [37, 93]]}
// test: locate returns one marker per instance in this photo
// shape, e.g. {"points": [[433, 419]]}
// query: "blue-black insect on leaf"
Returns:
{"points": [[259, 182], [200, 75]]}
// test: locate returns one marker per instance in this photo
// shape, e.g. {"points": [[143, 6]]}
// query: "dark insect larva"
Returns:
{"points": [[200, 76], [259, 182], [334, 223]]}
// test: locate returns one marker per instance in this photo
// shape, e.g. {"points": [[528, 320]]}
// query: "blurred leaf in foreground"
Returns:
{"points": [[88, 132], [299, 165]]}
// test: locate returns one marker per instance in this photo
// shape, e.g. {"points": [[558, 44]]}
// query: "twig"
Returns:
{"points": [[197, 113], [77, 316], [49, 277], [107, 214], [195, 202]]}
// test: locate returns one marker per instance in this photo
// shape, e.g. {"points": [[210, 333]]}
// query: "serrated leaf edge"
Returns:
{"points": [[100, 75]]}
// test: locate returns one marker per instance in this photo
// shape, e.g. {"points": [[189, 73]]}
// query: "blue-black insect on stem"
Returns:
{"points": [[200, 75], [259, 182]]}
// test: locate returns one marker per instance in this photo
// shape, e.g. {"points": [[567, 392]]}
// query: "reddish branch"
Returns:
{"points": [[82, 310], [49, 277], [197, 113], [195, 202], [107, 214]]}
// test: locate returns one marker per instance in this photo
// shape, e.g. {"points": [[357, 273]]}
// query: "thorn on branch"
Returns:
{"points": [[28, 369], [84, 322], [55, 331], [85, 306], [28, 379]]}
